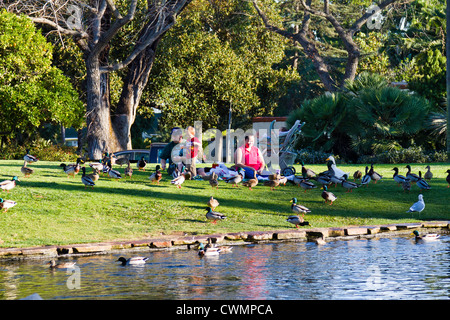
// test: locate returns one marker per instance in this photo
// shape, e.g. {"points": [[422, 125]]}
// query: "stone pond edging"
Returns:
{"points": [[183, 241]]}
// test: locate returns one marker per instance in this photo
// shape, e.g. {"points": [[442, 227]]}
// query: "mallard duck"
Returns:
{"points": [[213, 181], [411, 176], [61, 265], [448, 178], [398, 177], [87, 180], [29, 158], [406, 185], [97, 165], [272, 183], [323, 179], [328, 196], [273, 176], [421, 183], [337, 172], [207, 250], [213, 203], [214, 215], [141, 164], [236, 179], [428, 175], [250, 183], [367, 178], [25, 170], [418, 206], [132, 261], [306, 185], [349, 185], [114, 174], [9, 184], [297, 221], [94, 175], [375, 176], [72, 169], [121, 161], [357, 175], [225, 249], [307, 173], [426, 237], [7, 204], [297, 180], [156, 176], [178, 181], [298, 208], [128, 170]]}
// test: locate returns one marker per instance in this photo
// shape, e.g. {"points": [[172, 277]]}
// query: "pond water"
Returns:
{"points": [[377, 268]]}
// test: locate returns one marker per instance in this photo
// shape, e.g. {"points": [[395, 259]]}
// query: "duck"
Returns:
{"points": [[323, 179], [72, 170], [411, 176], [297, 208], [114, 174], [367, 178], [178, 181], [319, 240], [273, 176], [297, 221], [132, 261], [214, 215], [349, 185], [9, 184], [213, 203], [94, 175], [307, 173], [207, 250], [272, 184], [156, 176], [297, 180], [250, 183], [398, 177], [357, 175], [97, 165], [128, 170], [426, 237], [213, 180], [121, 161], [283, 180], [448, 178], [418, 206], [406, 185], [25, 170], [421, 183], [338, 172], [328, 195], [375, 176], [428, 175], [30, 158], [141, 164], [7, 204], [86, 180], [236, 179], [61, 265], [306, 185]]}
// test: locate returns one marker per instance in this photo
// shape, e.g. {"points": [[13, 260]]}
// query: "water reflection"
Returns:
{"points": [[380, 268]]}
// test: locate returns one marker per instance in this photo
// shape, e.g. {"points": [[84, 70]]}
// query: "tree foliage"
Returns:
{"points": [[32, 91]]}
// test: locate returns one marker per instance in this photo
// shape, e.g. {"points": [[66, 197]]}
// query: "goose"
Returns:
{"points": [[132, 261], [428, 175], [178, 181], [411, 176], [421, 183], [87, 180], [426, 237], [7, 204], [9, 184], [374, 175], [338, 172], [367, 178], [297, 208], [297, 221], [328, 196], [349, 185], [214, 215], [25, 170], [418, 206], [61, 265], [30, 158], [213, 203], [399, 178]]}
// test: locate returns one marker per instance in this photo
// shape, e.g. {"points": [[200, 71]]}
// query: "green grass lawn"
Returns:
{"points": [[55, 209]]}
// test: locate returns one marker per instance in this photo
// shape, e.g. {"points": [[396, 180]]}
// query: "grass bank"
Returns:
{"points": [[53, 209]]}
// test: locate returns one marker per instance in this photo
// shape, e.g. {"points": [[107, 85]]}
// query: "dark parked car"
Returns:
{"points": [[150, 155]]}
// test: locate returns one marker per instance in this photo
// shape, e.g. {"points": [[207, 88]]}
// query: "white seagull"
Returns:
{"points": [[418, 206]]}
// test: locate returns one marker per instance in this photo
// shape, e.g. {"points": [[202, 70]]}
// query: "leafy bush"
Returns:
{"points": [[308, 155], [409, 155]]}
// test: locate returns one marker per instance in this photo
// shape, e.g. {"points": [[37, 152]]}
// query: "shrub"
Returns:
{"points": [[408, 155]]}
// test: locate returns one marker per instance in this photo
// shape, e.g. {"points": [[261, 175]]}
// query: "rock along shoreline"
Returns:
{"points": [[181, 241]]}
